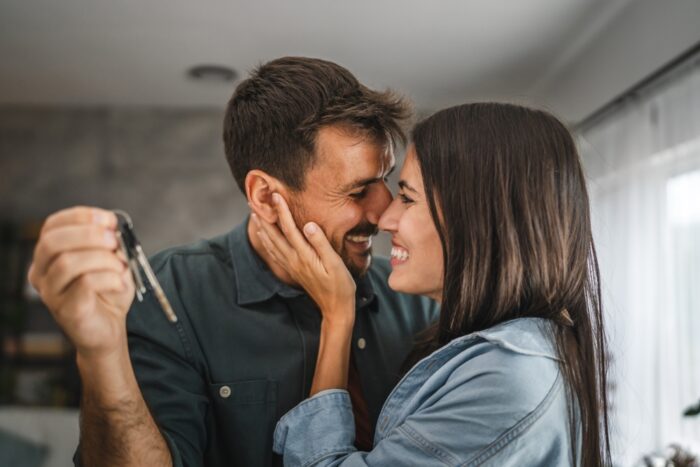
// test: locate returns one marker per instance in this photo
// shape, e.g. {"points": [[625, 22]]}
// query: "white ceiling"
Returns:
{"points": [[441, 52]]}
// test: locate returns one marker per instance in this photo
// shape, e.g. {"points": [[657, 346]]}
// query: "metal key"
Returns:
{"points": [[136, 258]]}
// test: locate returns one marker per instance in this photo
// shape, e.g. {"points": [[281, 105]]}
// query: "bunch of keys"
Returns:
{"points": [[136, 258]]}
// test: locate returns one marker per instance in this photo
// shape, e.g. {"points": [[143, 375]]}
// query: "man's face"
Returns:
{"points": [[345, 193]]}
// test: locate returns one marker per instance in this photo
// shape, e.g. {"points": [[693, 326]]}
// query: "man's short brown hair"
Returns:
{"points": [[273, 117]]}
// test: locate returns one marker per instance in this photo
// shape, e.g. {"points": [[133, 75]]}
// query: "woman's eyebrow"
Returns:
{"points": [[403, 184]]}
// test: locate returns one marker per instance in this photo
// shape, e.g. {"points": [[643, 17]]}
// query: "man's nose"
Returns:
{"points": [[379, 203]]}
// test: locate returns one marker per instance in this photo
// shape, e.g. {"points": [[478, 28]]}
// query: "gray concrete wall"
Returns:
{"points": [[166, 168]]}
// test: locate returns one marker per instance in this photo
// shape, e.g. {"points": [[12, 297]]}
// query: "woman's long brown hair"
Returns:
{"points": [[516, 234]]}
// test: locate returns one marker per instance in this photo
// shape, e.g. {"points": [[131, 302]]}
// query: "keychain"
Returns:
{"points": [[136, 258]]}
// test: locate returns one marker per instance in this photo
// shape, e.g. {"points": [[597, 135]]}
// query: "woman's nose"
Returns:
{"points": [[389, 219]]}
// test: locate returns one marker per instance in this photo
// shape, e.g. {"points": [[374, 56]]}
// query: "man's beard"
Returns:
{"points": [[357, 271]]}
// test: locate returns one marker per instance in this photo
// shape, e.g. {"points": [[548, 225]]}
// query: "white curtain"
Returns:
{"points": [[643, 165]]}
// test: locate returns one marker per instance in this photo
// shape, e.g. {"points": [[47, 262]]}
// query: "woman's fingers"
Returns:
{"points": [[321, 245], [309, 259], [276, 241], [289, 227], [271, 248]]}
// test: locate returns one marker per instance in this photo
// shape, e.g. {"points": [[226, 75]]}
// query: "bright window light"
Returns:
{"points": [[683, 198]]}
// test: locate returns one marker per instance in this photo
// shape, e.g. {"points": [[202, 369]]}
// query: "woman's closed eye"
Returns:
{"points": [[405, 199]]}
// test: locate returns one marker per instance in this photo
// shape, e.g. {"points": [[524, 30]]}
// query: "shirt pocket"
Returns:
{"points": [[244, 415]]}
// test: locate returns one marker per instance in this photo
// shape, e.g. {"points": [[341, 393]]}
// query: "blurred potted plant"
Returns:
{"points": [[675, 455], [692, 411]]}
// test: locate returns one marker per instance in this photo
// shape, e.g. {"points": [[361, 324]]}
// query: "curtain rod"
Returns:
{"points": [[656, 78]]}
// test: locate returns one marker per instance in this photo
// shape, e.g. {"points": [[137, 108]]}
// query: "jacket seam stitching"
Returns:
{"points": [[325, 454], [517, 429], [426, 446]]}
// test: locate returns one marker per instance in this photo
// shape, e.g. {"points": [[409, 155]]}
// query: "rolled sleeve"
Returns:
{"points": [[321, 426]]}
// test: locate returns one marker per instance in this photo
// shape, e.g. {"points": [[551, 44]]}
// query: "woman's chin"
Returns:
{"points": [[397, 284], [394, 282]]}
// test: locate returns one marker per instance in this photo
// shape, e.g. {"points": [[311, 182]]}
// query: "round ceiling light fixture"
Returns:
{"points": [[212, 73]]}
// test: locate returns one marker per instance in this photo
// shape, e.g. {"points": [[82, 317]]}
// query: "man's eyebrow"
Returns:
{"points": [[403, 184], [366, 181]]}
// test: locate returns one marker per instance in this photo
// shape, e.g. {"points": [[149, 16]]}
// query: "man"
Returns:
{"points": [[209, 389]]}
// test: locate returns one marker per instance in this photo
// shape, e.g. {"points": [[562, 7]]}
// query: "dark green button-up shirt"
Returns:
{"points": [[244, 349]]}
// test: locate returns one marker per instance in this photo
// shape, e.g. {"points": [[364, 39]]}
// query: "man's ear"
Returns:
{"points": [[259, 187]]}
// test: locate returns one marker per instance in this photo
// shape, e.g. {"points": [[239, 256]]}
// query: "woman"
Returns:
{"points": [[492, 220]]}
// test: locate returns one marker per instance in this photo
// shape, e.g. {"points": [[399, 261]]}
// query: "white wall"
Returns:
{"points": [[625, 48]]}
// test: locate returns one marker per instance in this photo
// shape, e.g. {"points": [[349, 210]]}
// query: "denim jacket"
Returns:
{"points": [[494, 397]]}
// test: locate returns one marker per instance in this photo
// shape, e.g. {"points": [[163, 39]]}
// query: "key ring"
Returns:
{"points": [[136, 258]]}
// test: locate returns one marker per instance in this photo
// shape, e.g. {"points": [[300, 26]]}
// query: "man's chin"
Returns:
{"points": [[359, 264]]}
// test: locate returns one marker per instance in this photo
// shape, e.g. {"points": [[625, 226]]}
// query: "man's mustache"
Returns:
{"points": [[364, 230]]}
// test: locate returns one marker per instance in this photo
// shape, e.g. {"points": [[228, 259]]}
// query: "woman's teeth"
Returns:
{"points": [[399, 253], [358, 238]]}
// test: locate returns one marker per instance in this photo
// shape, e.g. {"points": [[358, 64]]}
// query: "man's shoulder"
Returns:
{"points": [[204, 252], [506, 356]]}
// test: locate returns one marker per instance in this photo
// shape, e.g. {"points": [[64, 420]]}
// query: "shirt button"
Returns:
{"points": [[361, 343], [224, 391]]}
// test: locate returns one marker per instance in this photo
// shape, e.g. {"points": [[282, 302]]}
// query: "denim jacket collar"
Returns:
{"points": [[517, 335]]}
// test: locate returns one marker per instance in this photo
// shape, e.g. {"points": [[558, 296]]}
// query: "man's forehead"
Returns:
{"points": [[370, 176], [348, 159]]}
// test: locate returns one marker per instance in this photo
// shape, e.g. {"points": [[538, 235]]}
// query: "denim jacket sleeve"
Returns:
{"points": [[325, 417], [320, 432], [495, 415]]}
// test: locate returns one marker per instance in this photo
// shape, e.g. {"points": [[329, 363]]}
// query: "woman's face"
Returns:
{"points": [[416, 254]]}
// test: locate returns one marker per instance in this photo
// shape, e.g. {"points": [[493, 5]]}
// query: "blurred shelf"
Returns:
{"points": [[37, 363]]}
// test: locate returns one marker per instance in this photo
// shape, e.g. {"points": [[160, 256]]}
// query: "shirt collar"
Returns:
{"points": [[256, 283]]}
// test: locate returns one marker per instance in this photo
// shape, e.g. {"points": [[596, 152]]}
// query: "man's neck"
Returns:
{"points": [[259, 248]]}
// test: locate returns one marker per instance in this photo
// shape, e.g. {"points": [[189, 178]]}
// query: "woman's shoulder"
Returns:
{"points": [[495, 392], [512, 366]]}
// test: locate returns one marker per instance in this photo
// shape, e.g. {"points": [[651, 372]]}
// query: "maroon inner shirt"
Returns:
{"points": [[364, 432]]}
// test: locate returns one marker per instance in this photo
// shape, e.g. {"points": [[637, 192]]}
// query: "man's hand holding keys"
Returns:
{"points": [[83, 278]]}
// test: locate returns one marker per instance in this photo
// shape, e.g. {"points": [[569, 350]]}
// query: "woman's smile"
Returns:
{"points": [[399, 255]]}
